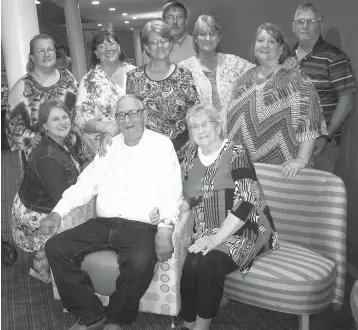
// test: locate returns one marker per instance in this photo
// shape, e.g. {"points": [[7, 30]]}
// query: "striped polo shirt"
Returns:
{"points": [[331, 73]]}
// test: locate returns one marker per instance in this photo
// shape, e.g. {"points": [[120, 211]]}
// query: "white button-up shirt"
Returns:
{"points": [[130, 181]]}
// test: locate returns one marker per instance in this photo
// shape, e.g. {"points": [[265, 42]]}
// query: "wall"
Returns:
{"points": [[240, 20]]}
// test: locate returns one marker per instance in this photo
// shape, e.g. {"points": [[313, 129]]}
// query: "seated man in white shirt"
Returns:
{"points": [[139, 173]]}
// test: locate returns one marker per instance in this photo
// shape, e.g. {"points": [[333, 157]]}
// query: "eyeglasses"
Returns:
{"points": [[172, 18], [108, 45], [133, 114], [310, 22], [204, 35], [163, 41], [43, 51], [203, 125]]}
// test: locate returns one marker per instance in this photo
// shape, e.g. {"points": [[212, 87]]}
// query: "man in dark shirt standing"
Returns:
{"points": [[332, 75]]}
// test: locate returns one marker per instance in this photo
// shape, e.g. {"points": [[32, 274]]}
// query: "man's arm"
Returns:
{"points": [[85, 188], [343, 108]]}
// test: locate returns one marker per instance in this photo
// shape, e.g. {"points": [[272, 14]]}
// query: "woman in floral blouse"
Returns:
{"points": [[166, 90], [101, 88], [42, 82]]}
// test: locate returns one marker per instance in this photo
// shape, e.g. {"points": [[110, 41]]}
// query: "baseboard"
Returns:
{"points": [[352, 270]]}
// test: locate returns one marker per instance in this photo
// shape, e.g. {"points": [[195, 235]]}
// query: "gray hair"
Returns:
{"points": [[129, 96], [157, 26], [312, 7], [210, 111], [209, 21]]}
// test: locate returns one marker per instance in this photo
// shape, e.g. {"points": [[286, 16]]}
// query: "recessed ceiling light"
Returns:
{"points": [[112, 9], [124, 14], [99, 24], [95, 2], [37, 2], [131, 28], [126, 22], [135, 17]]}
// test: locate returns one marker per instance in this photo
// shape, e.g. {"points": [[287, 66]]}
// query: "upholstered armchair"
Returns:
{"points": [[163, 294], [307, 273]]}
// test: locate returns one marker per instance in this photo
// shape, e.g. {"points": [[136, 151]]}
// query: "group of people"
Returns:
{"points": [[181, 131]]}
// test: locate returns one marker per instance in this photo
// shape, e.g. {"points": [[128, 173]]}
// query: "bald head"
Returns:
{"points": [[131, 118]]}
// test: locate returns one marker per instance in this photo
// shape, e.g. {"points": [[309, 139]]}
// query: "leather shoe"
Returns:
{"points": [[97, 326]]}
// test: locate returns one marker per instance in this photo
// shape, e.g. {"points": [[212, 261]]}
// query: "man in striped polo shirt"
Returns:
{"points": [[331, 73]]}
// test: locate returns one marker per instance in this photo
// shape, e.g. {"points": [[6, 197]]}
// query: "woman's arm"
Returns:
{"points": [[247, 196], [18, 121]]}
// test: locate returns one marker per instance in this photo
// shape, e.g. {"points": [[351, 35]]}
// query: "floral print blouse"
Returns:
{"points": [[167, 102], [230, 68], [21, 119], [97, 98]]}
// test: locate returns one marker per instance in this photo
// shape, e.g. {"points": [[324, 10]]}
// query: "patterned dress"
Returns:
{"points": [[25, 221], [21, 119], [229, 184], [167, 102], [272, 118], [97, 99]]}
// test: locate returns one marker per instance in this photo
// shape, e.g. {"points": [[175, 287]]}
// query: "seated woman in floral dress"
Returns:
{"points": [[52, 167]]}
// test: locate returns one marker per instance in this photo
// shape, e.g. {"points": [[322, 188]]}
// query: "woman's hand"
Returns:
{"points": [[111, 128], [50, 224], [290, 63], [204, 244], [36, 139], [292, 168], [106, 140], [154, 216]]}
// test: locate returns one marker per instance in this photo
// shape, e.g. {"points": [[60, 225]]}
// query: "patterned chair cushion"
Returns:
{"points": [[292, 279], [163, 294]]}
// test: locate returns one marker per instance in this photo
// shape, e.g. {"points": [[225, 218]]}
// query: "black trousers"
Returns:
{"points": [[134, 243], [202, 284]]}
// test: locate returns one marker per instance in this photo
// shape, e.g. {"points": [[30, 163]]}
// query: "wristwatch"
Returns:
{"points": [[168, 222]]}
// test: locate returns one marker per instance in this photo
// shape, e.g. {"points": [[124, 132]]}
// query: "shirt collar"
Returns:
{"points": [[320, 44], [181, 40]]}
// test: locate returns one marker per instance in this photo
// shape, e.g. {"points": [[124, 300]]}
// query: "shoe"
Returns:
{"points": [[112, 326], [40, 270], [97, 326]]}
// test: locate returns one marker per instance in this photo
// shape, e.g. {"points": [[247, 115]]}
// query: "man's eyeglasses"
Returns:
{"points": [[203, 125], [204, 35], [43, 51], [108, 45], [310, 22], [172, 18], [162, 41], [133, 114]]}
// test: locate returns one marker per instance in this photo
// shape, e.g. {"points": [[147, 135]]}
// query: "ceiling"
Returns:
{"points": [[143, 10]]}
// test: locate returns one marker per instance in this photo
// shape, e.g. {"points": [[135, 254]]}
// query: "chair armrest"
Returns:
{"points": [[78, 216]]}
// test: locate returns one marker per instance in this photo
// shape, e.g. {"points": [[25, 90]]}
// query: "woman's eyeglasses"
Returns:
{"points": [[204, 35], [108, 45], [43, 51], [133, 114], [162, 41], [203, 125]]}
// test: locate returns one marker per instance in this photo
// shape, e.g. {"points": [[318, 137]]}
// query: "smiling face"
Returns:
{"points": [[207, 39], [131, 128], [58, 124], [158, 47], [204, 130], [267, 50], [108, 51], [175, 18], [307, 26], [44, 54]]}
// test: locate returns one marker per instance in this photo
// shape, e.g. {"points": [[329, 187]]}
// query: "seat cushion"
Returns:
{"points": [[292, 279]]}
